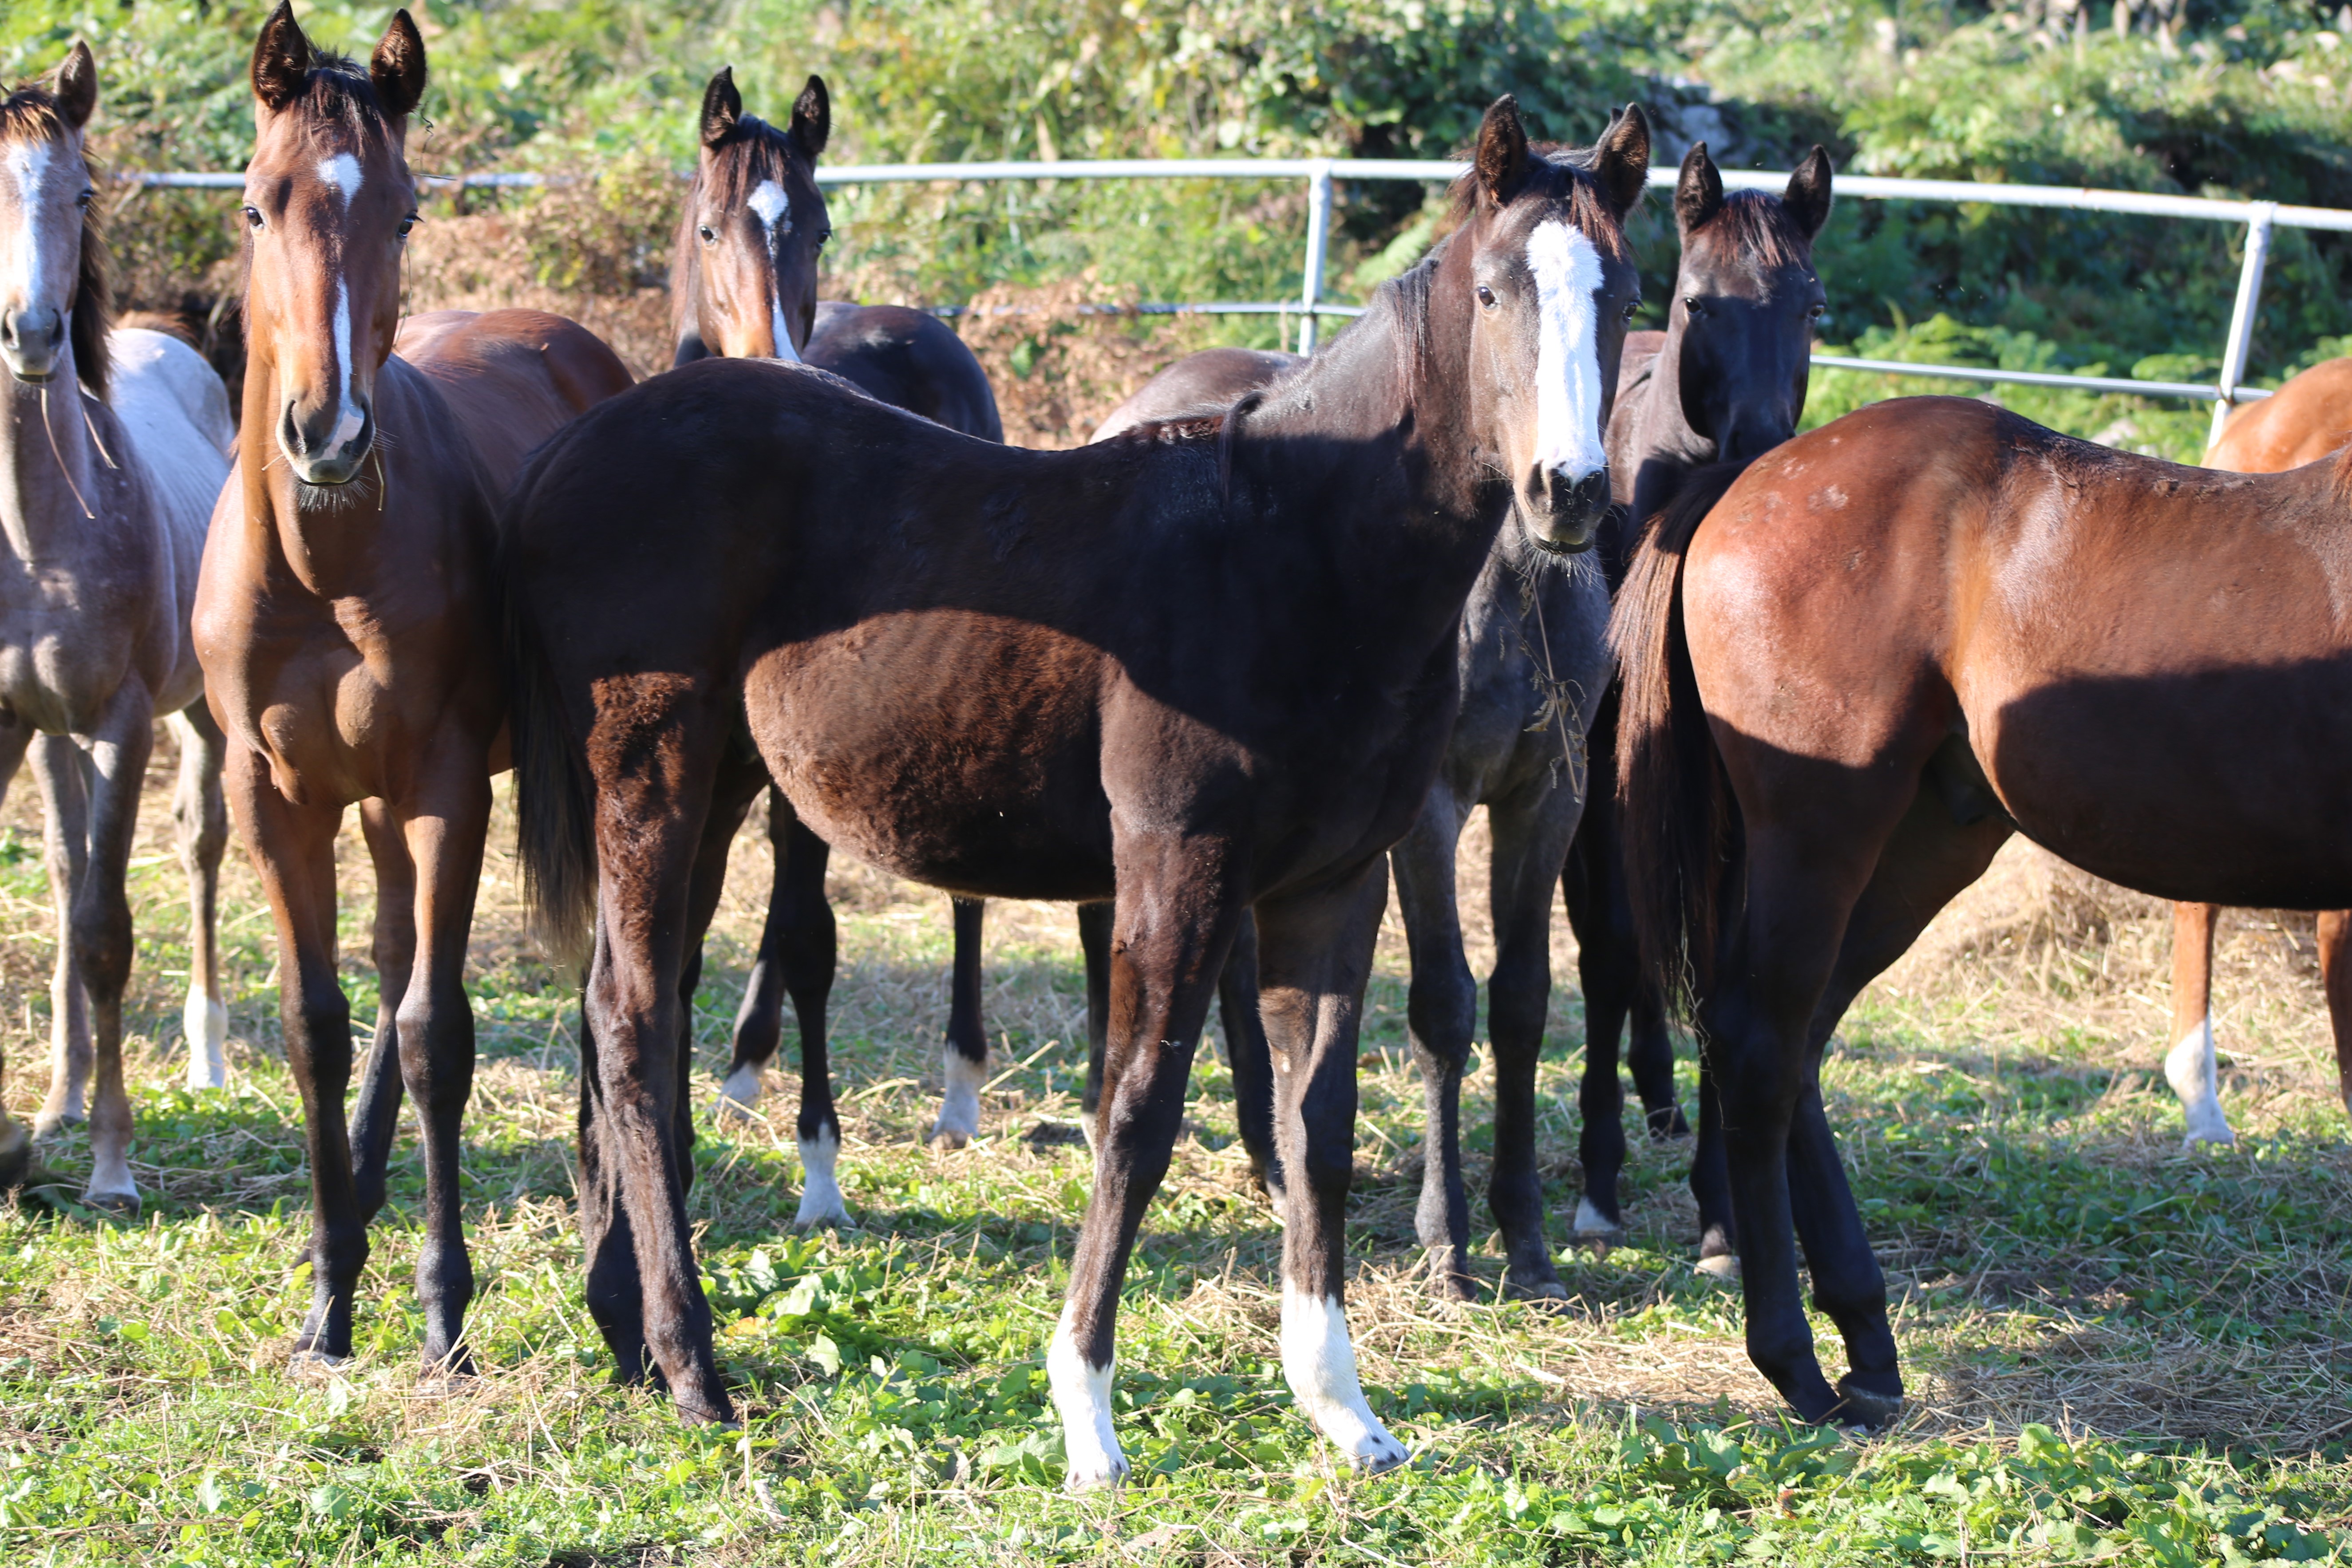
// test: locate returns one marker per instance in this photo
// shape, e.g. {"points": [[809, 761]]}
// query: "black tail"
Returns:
{"points": [[1673, 801], [553, 794]]}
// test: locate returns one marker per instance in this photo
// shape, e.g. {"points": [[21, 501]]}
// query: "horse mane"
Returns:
{"points": [[31, 114], [338, 91], [1758, 226]]}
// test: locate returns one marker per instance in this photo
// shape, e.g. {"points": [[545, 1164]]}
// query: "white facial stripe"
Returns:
{"points": [[774, 210], [784, 349], [342, 172], [349, 420], [1567, 273], [28, 168], [771, 203]]}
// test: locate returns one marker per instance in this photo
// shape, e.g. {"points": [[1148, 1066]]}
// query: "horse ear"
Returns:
{"points": [[76, 91], [722, 106], [813, 117], [1502, 160], [1808, 196], [397, 67], [1622, 160], [281, 58], [1698, 193]]}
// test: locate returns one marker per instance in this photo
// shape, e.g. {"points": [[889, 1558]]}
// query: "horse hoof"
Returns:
{"points": [[121, 1203], [314, 1365], [1543, 1292], [1723, 1266], [738, 1095], [1596, 1230], [947, 1137], [51, 1123], [1864, 1410], [1381, 1453]]}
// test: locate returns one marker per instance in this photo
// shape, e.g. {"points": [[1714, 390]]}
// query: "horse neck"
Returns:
{"points": [[49, 485], [328, 549], [1662, 430]]}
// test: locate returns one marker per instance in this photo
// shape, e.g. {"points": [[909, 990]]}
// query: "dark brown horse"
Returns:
{"points": [[2305, 420], [1725, 383], [1894, 641], [348, 627], [1196, 671]]}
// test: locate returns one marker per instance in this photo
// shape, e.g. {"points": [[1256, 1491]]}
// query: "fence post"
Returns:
{"points": [[2241, 314], [1319, 239]]}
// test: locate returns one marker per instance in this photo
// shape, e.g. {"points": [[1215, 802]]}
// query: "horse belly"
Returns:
{"points": [[954, 748], [2229, 786]]}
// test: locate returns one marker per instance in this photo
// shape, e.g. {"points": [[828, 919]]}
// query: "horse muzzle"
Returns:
{"points": [[327, 444], [1562, 512], [30, 341]]}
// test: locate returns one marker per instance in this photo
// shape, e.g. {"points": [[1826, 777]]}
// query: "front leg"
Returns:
{"points": [[293, 848], [63, 775], [200, 821], [964, 1060], [1172, 925], [1314, 953], [1531, 833], [376, 1118], [102, 941], [1442, 1013]]}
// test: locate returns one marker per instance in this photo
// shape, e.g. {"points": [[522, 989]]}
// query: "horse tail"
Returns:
{"points": [[1673, 800], [554, 796]]}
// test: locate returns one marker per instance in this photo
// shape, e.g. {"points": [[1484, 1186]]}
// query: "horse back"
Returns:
{"points": [[1204, 383], [2301, 423], [908, 359], [512, 378]]}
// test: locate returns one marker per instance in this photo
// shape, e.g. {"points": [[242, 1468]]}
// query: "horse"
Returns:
{"points": [[1724, 383], [1533, 658], [744, 275], [349, 630], [2305, 420], [1197, 669], [112, 444], [1894, 641]]}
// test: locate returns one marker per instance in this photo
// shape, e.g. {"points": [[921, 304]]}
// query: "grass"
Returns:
{"points": [[2118, 1352]]}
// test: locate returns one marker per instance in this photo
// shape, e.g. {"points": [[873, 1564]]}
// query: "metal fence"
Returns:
{"points": [[1323, 176]]}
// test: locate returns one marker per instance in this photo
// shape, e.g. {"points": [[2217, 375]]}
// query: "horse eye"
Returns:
{"points": [[1817, 312], [1485, 297], [709, 236], [1691, 303], [87, 196], [406, 224], [1630, 307], [253, 218], [823, 238]]}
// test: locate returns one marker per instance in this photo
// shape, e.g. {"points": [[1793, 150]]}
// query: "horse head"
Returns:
{"points": [[328, 202], [1745, 303], [1540, 270], [53, 279], [744, 273]]}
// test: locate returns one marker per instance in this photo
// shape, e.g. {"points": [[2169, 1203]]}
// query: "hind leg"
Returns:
{"points": [[15, 1138], [965, 1055], [1608, 982], [1531, 836], [1440, 1013], [2189, 1066], [760, 1021], [1252, 1062], [200, 820], [2335, 980], [63, 775], [1093, 941]]}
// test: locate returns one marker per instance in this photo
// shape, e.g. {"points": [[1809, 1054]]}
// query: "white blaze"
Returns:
{"points": [[342, 172], [1082, 1398], [774, 210], [1318, 1361], [1567, 271], [29, 166], [348, 420]]}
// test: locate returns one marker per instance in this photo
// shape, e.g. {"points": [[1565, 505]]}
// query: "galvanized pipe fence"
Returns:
{"points": [[1323, 176]]}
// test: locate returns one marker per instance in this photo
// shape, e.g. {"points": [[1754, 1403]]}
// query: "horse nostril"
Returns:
{"points": [[1592, 492]]}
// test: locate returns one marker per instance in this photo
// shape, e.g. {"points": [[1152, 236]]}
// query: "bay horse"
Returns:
{"points": [[112, 443], [2307, 419], [1895, 640], [1725, 382], [744, 285], [349, 628], [1534, 657], [1192, 670]]}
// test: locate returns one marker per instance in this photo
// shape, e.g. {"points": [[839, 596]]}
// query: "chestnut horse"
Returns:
{"points": [[1533, 658], [349, 628], [1193, 670], [1724, 383], [112, 445], [1895, 640], [743, 285], [2303, 421]]}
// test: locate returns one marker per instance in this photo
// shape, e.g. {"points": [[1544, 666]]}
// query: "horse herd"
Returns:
{"points": [[1277, 629]]}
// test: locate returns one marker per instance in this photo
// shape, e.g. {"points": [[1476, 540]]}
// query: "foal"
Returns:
{"points": [[1724, 383], [111, 448], [1104, 673], [348, 629]]}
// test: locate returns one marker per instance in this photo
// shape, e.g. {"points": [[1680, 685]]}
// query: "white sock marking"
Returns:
{"points": [[1082, 1398], [2191, 1070], [741, 1092], [1089, 1121], [821, 1199], [1590, 1221], [206, 1022], [1568, 350], [959, 1122], [1319, 1361]]}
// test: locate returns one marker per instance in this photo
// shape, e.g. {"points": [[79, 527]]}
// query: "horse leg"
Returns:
{"points": [[375, 1119], [102, 941], [760, 1021], [1607, 985], [966, 1053], [656, 753], [1710, 1182], [1163, 969], [15, 1138], [1531, 835], [200, 822], [2336, 981], [1440, 1013], [443, 826], [1315, 954], [1093, 941], [739, 783], [615, 1290], [2189, 1066], [1252, 1063], [63, 775], [809, 954], [293, 848]]}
